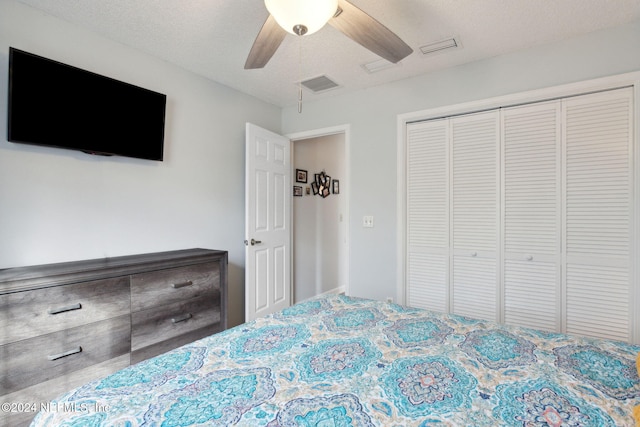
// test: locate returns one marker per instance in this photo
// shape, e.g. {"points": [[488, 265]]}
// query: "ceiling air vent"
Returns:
{"points": [[440, 45], [379, 65], [319, 84]]}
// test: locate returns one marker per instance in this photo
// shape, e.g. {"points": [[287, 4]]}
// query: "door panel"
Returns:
{"points": [[597, 205], [531, 183], [474, 219], [261, 287], [267, 222], [531, 289], [428, 215], [280, 265], [474, 287]]}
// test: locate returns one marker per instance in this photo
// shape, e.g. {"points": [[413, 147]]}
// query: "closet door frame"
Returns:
{"points": [[551, 93]]}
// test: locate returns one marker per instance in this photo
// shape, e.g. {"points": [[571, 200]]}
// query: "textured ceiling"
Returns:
{"points": [[213, 37]]}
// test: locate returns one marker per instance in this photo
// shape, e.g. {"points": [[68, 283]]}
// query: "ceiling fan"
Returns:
{"points": [[302, 17]]}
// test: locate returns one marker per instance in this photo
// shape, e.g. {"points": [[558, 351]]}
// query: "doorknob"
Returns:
{"points": [[253, 242]]}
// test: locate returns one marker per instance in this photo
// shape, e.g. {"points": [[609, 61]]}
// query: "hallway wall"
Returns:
{"points": [[319, 235]]}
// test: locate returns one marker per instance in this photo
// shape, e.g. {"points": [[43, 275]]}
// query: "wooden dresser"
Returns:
{"points": [[62, 325]]}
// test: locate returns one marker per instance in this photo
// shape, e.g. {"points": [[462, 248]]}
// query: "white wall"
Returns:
{"points": [[58, 205], [319, 240], [372, 115]]}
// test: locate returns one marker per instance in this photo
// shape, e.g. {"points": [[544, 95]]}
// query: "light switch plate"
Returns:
{"points": [[367, 221]]}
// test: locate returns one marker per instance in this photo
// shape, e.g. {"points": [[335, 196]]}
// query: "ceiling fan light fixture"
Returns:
{"points": [[301, 17]]}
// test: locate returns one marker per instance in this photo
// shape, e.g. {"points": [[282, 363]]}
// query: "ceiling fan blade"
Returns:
{"points": [[362, 28], [266, 44]]}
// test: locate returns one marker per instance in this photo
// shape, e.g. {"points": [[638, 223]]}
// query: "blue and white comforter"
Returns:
{"points": [[343, 361]]}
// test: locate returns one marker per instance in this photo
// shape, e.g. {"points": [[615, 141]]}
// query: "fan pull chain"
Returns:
{"points": [[299, 74]]}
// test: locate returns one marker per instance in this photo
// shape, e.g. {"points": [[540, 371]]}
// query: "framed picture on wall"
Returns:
{"points": [[315, 187], [301, 175], [297, 191], [336, 186]]}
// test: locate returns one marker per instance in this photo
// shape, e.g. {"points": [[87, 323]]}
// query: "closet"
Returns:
{"points": [[524, 215]]}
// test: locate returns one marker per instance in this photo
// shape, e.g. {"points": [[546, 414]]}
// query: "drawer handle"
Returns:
{"points": [[181, 318], [72, 307], [181, 285], [65, 354]]}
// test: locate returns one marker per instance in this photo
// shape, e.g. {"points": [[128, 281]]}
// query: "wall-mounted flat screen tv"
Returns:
{"points": [[58, 105]]}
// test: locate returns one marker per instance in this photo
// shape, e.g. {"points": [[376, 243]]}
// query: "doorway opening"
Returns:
{"points": [[320, 224]]}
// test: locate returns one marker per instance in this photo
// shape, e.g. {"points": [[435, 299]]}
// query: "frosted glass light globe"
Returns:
{"points": [[312, 14]]}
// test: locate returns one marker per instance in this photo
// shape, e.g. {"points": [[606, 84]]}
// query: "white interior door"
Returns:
{"points": [[598, 199], [428, 215], [474, 235], [267, 222], [532, 215]]}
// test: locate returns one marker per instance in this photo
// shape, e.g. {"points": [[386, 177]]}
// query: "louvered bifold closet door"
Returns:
{"points": [[475, 207], [531, 188], [598, 207], [428, 215]]}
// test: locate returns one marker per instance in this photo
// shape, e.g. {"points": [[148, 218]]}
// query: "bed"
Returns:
{"points": [[343, 361]]}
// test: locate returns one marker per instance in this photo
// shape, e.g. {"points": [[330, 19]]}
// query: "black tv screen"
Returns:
{"points": [[58, 105]]}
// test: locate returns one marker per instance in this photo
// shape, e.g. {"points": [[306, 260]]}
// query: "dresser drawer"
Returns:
{"points": [[159, 324], [43, 311], [32, 361], [162, 347], [172, 285]]}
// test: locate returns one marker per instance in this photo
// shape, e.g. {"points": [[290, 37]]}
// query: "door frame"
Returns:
{"points": [[344, 189]]}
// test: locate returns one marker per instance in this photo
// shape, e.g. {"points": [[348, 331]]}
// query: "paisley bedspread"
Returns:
{"points": [[342, 361]]}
